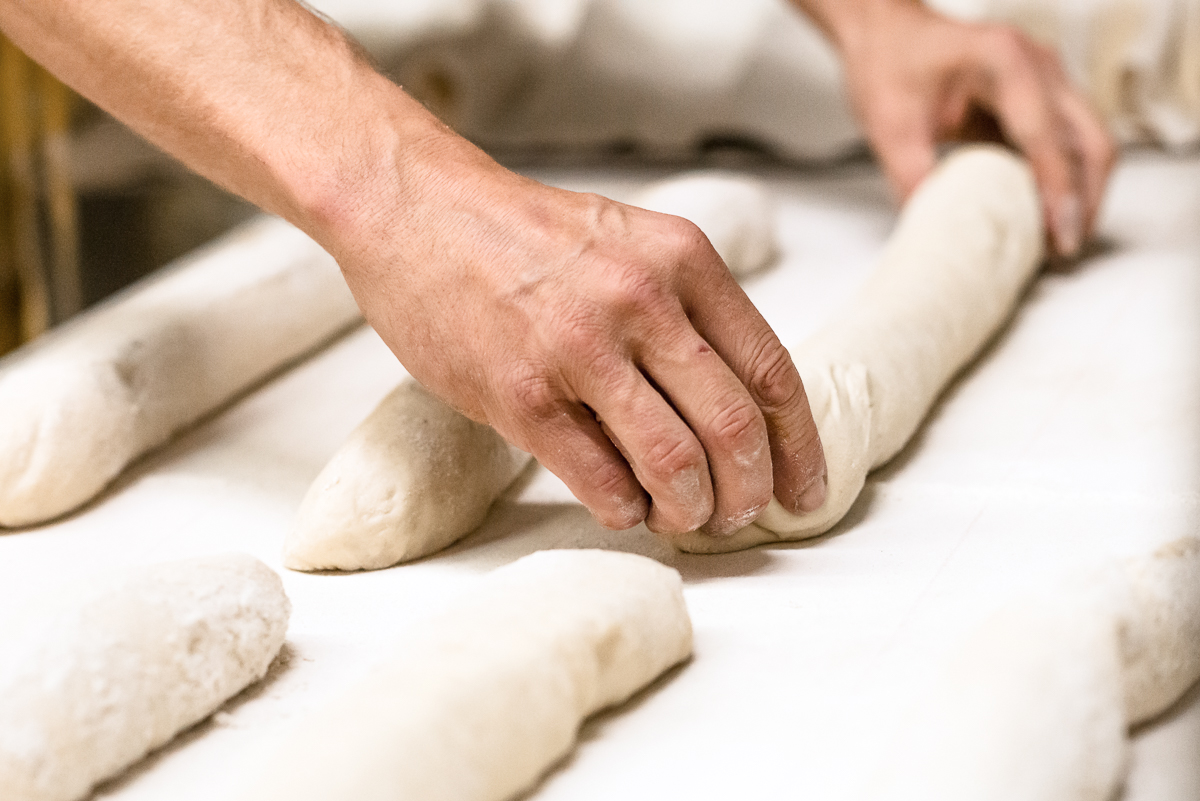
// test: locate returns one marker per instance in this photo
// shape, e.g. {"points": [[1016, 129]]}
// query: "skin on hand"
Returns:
{"points": [[917, 78], [609, 341]]}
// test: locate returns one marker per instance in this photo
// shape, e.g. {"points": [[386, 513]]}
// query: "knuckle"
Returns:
{"points": [[534, 395], [636, 290], [774, 382], [671, 456], [739, 429]]}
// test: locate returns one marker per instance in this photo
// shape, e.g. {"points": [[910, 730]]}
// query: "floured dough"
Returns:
{"points": [[414, 477], [1037, 703], [480, 701], [965, 246], [118, 382], [734, 211], [93, 681]]}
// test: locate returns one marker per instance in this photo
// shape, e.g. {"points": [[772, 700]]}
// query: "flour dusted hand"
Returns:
{"points": [[413, 478], [481, 700], [122, 380], [93, 680], [963, 251]]}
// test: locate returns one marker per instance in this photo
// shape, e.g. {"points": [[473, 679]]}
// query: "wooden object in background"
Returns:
{"points": [[39, 251]]}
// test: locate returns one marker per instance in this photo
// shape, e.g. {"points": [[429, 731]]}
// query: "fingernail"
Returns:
{"points": [[1068, 226], [813, 496]]}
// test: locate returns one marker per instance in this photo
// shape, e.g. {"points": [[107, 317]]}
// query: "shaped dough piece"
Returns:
{"points": [[484, 698], [116, 668], [734, 211], [966, 245], [1037, 703], [118, 382], [413, 478]]}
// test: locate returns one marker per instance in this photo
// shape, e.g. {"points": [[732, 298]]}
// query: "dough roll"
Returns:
{"points": [[417, 476], [480, 701], [734, 211], [965, 247], [1037, 703], [92, 682], [79, 406], [413, 478]]}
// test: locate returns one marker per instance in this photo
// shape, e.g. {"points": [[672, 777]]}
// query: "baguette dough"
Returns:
{"points": [[1036, 705], [965, 247], [734, 211], [413, 478], [95, 680], [118, 382], [486, 696]]}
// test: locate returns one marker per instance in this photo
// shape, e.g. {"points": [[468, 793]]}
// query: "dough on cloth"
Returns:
{"points": [[483, 698], [734, 211], [414, 477], [1037, 702], [965, 247], [93, 680], [78, 407]]}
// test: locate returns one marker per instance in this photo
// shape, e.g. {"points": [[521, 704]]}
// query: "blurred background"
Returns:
{"points": [[86, 206]]}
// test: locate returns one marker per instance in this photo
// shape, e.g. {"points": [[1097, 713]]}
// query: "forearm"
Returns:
{"points": [[260, 96]]}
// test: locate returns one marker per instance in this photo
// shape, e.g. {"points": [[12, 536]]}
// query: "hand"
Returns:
{"points": [[609, 341], [917, 78]]}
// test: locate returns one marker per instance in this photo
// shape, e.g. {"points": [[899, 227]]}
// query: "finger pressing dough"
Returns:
{"points": [[965, 247], [734, 211], [118, 382], [93, 681], [413, 478], [478, 703], [1037, 703]]}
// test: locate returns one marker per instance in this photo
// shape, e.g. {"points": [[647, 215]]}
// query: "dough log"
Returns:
{"points": [[78, 407], [1037, 703], [413, 478], [92, 682], [965, 247], [484, 698], [734, 211]]}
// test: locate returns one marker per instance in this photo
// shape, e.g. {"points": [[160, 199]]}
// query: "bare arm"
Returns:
{"points": [[917, 78], [609, 341]]}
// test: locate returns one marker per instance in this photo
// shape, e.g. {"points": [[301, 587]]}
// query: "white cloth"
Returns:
{"points": [[671, 76]]}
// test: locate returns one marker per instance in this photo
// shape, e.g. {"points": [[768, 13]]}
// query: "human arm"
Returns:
{"points": [[917, 78], [609, 341]]}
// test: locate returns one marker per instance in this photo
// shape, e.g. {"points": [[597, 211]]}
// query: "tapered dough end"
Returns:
{"points": [[413, 478], [94, 678], [734, 211], [481, 700], [1159, 627], [840, 399], [67, 429]]}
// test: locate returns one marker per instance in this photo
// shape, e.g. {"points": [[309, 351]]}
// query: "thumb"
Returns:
{"points": [[907, 154]]}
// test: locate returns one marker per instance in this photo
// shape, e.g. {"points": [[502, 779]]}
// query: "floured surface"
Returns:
{"points": [[1075, 440]]}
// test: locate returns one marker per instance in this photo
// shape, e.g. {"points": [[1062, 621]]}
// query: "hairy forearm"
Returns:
{"points": [[260, 96]]}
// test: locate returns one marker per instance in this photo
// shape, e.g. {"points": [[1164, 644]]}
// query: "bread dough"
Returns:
{"points": [[413, 478], [734, 211], [1037, 703], [965, 247], [78, 407], [417, 476], [481, 700], [92, 681]]}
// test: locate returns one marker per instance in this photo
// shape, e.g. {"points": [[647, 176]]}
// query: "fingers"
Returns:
{"points": [[725, 420], [666, 457], [1067, 146], [906, 150], [725, 318], [569, 442]]}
